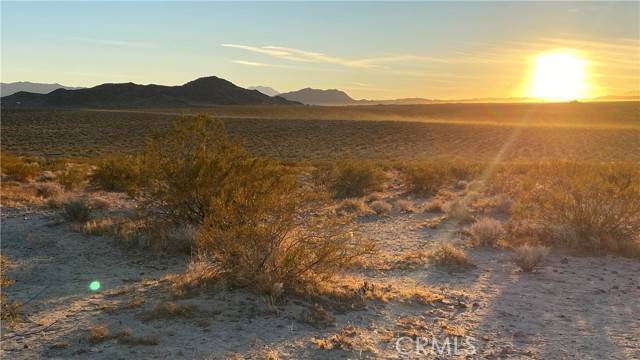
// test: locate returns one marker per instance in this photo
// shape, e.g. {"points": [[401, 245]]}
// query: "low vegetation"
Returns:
{"points": [[10, 311], [451, 257], [263, 228], [528, 257], [355, 179], [590, 207], [76, 210], [487, 232], [117, 173]]}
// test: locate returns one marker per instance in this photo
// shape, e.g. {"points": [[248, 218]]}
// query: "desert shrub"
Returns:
{"points": [[184, 168], [98, 334], [117, 173], [73, 176], [528, 257], [355, 207], [99, 203], [355, 179], [446, 254], [434, 205], [405, 206], [48, 190], [426, 179], [19, 168], [487, 232], [264, 229], [380, 207], [76, 210], [591, 207], [458, 210], [10, 311]]}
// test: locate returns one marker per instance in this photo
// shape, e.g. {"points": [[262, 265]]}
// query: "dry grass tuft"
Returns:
{"points": [[458, 210], [98, 334], [487, 232], [169, 310], [446, 254], [528, 257], [355, 207], [126, 337], [404, 206], [199, 275], [434, 205], [48, 190], [10, 311], [318, 317], [381, 207], [348, 338], [432, 223]]}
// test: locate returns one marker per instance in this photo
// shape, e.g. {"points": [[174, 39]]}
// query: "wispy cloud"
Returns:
{"points": [[110, 42], [252, 63], [292, 54]]}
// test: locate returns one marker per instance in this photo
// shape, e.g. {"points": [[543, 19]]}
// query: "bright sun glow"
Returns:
{"points": [[559, 76]]}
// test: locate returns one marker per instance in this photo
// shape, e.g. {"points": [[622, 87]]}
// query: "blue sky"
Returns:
{"points": [[371, 50]]}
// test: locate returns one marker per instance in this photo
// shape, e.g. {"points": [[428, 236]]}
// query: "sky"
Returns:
{"points": [[372, 50]]}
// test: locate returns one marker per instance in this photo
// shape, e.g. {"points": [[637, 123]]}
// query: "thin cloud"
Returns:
{"points": [[299, 55], [109, 42], [252, 63]]}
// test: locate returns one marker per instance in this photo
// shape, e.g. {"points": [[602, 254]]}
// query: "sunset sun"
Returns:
{"points": [[559, 76]]}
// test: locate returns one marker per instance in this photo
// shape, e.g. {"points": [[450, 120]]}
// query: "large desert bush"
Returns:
{"points": [[117, 173], [593, 207], [183, 169], [355, 179], [261, 226], [269, 233]]}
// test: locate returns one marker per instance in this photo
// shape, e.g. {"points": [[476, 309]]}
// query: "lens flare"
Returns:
{"points": [[94, 286]]}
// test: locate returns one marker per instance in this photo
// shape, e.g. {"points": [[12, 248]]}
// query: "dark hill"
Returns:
{"points": [[200, 92]]}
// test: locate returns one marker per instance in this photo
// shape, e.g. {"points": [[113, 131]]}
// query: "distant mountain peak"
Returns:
{"points": [[7, 89], [265, 90], [319, 97]]}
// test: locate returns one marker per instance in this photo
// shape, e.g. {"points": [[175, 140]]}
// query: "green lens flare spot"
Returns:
{"points": [[94, 286]]}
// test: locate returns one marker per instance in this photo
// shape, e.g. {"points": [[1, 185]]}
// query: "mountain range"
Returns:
{"points": [[7, 89], [204, 91]]}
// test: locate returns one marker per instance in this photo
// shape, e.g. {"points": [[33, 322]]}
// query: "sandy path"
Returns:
{"points": [[582, 308]]}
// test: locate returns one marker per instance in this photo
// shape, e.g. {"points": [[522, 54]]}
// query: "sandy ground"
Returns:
{"points": [[570, 308]]}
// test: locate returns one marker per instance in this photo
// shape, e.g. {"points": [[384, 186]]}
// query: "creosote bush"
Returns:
{"points": [[262, 227], [117, 173], [590, 207], [76, 210], [355, 179]]}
